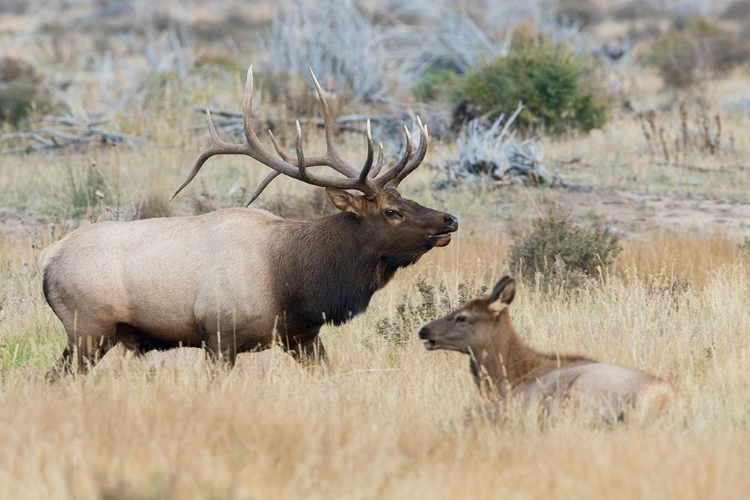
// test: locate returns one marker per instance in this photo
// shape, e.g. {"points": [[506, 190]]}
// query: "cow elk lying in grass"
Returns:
{"points": [[504, 367], [240, 279]]}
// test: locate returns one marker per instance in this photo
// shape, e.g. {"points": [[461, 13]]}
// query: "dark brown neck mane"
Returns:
{"points": [[330, 267], [508, 362]]}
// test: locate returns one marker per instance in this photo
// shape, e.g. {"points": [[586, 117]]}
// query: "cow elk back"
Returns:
{"points": [[506, 369]]}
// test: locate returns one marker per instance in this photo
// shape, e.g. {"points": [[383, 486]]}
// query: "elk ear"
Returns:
{"points": [[346, 201], [503, 293]]}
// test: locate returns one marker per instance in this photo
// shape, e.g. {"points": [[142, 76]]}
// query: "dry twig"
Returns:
{"points": [[61, 132], [494, 156]]}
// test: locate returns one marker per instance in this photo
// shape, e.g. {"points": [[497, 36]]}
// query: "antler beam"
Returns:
{"points": [[365, 180]]}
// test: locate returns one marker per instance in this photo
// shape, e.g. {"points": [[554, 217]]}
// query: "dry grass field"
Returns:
{"points": [[387, 419]]}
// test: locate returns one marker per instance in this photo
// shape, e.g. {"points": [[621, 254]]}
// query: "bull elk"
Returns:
{"points": [[239, 279], [505, 368]]}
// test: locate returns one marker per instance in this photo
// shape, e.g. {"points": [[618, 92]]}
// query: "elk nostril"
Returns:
{"points": [[450, 221], [423, 333]]}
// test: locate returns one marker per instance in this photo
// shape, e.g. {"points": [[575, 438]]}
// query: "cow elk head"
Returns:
{"points": [[472, 328]]}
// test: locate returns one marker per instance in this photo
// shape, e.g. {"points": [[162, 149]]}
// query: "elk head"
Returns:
{"points": [[401, 229], [473, 327], [418, 228]]}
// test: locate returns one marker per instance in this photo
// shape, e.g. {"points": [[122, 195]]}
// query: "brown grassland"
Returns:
{"points": [[388, 419]]}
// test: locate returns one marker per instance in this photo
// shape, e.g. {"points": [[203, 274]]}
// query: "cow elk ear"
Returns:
{"points": [[346, 201], [503, 293]]}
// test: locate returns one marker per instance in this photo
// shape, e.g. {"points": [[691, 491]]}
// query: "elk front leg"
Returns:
{"points": [[220, 346], [309, 350]]}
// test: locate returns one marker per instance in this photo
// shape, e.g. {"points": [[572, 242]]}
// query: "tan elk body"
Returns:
{"points": [[237, 279], [504, 366]]}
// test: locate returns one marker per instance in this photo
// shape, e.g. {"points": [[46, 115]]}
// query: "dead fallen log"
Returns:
{"points": [[61, 133], [494, 156]]}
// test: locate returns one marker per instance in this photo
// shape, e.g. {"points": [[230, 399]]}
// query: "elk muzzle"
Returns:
{"points": [[428, 335], [441, 239]]}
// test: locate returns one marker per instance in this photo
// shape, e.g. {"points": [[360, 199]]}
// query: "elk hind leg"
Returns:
{"points": [[84, 350]]}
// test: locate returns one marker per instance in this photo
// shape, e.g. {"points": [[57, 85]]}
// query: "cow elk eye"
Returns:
{"points": [[390, 213], [461, 319]]}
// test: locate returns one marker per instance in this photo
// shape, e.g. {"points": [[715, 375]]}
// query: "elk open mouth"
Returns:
{"points": [[430, 345], [439, 240]]}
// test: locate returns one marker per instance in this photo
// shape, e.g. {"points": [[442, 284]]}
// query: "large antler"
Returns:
{"points": [[365, 180]]}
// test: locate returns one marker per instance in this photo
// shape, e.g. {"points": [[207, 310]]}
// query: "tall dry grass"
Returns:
{"points": [[389, 420]]}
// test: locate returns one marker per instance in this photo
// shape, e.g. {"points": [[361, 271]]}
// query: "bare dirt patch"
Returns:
{"points": [[631, 212], [30, 223], [642, 213]]}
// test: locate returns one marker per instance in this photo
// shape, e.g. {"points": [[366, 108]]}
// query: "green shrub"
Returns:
{"points": [[414, 310], [645, 10], [87, 188], [412, 313], [154, 203], [558, 252], [737, 10], [744, 247], [579, 12], [433, 84], [18, 100], [554, 85], [220, 59], [21, 91], [697, 50]]}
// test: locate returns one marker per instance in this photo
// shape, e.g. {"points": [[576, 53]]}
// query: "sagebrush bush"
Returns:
{"points": [[555, 86], [557, 252], [579, 12], [19, 100], [336, 38], [87, 188], [433, 84], [638, 10], [154, 203], [697, 50], [737, 10], [415, 310]]}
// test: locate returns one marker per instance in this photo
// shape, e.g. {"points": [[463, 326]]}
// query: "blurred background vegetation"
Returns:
{"points": [[569, 61]]}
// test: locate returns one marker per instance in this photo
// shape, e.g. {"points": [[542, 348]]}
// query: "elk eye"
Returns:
{"points": [[392, 214], [460, 319]]}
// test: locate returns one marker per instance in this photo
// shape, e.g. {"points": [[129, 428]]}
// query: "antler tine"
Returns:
{"points": [[336, 162], [300, 154], [252, 147], [379, 164], [365, 171], [247, 109], [416, 160], [217, 147], [278, 149], [394, 170], [263, 185]]}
